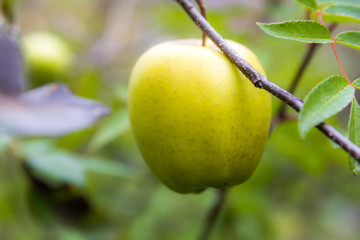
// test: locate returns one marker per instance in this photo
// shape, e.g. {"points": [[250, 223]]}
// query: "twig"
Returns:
{"points": [[312, 47], [262, 82], [309, 54], [213, 214]]}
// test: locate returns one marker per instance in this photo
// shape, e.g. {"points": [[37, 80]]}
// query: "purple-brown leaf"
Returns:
{"points": [[51, 110]]}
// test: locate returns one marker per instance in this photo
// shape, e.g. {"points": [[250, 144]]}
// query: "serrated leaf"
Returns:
{"points": [[324, 100], [354, 133], [350, 39], [110, 128], [308, 3], [51, 110], [341, 12], [356, 83], [302, 30]]}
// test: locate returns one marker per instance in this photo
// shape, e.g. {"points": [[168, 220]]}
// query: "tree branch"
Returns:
{"points": [[309, 54], [312, 47], [213, 214], [262, 82]]}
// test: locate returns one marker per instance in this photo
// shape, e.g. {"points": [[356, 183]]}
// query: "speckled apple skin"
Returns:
{"points": [[197, 120]]}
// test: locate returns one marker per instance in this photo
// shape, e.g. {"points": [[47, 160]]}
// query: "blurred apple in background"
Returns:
{"points": [[48, 57]]}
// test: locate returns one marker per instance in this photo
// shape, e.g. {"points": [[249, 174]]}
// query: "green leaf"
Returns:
{"points": [[56, 165], [356, 83], [352, 2], [324, 100], [350, 38], [106, 167], [354, 133], [52, 164], [341, 12], [308, 3], [111, 128], [302, 30], [4, 141]]}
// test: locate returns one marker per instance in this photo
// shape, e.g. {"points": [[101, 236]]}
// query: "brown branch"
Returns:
{"points": [[213, 214], [262, 82]]}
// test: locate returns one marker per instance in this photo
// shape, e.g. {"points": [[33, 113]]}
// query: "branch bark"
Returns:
{"points": [[261, 81]]}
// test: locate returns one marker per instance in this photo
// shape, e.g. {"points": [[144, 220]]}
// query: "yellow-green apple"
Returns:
{"points": [[198, 121]]}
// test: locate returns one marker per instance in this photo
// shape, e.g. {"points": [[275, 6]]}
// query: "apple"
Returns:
{"points": [[197, 120], [47, 57]]}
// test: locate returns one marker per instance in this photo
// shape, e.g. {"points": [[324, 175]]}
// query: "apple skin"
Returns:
{"points": [[47, 57], [198, 121]]}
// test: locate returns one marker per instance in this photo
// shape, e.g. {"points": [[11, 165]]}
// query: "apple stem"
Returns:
{"points": [[261, 81], [213, 214], [203, 13]]}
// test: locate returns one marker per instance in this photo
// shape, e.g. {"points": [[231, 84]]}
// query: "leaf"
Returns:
{"points": [[308, 3], [11, 66], [56, 165], [51, 110], [110, 193], [324, 100], [352, 2], [4, 141], [53, 165], [340, 12], [17, 220], [302, 30], [356, 83], [111, 128], [354, 133], [350, 38]]}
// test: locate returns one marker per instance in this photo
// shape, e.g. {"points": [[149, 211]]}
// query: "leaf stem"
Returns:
{"points": [[321, 20], [213, 214]]}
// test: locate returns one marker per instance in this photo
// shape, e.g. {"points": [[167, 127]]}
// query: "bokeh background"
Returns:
{"points": [[94, 184]]}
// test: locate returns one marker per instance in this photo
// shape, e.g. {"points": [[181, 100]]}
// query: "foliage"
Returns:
{"points": [[335, 92], [326, 99]]}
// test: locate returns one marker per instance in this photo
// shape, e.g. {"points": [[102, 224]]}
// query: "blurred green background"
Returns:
{"points": [[94, 184]]}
